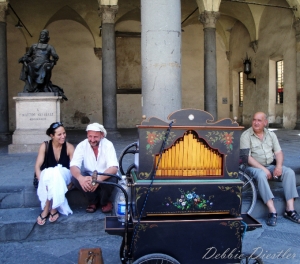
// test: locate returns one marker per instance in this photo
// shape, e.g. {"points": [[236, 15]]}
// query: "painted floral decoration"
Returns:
{"points": [[190, 200], [155, 137], [225, 137]]}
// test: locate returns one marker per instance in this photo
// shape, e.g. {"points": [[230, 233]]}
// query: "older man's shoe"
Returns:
{"points": [[272, 219], [292, 215]]}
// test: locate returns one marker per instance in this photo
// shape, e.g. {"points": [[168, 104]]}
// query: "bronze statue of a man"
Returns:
{"points": [[38, 63]]}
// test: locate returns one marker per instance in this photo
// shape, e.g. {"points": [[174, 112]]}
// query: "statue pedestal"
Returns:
{"points": [[34, 114]]}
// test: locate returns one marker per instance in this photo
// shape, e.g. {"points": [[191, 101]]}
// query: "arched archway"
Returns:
{"points": [[78, 72], [67, 13]]}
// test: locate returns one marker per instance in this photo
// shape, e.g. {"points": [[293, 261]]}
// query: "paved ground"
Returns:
{"points": [[275, 245], [60, 242]]}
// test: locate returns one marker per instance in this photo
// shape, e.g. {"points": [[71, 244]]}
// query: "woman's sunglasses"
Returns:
{"points": [[56, 125]]}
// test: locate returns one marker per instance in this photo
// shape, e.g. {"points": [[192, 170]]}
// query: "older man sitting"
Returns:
{"points": [[262, 145], [95, 153]]}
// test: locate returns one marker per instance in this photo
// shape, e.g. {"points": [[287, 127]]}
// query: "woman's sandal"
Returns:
{"points": [[43, 219], [52, 217], [293, 216], [272, 219]]}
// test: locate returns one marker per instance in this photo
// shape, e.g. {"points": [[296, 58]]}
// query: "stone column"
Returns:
{"points": [[109, 71], [161, 57], [297, 27], [4, 128], [209, 19]]}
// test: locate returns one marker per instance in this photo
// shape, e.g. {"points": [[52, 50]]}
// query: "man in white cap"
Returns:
{"points": [[95, 153]]}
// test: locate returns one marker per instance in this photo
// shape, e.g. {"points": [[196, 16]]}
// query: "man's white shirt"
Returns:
{"points": [[85, 158]]}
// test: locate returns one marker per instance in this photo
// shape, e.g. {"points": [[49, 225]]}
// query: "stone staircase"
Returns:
{"points": [[20, 208], [260, 210], [19, 205]]}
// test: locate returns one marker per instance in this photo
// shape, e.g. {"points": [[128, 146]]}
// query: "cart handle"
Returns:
{"points": [[126, 206], [126, 151], [108, 174]]}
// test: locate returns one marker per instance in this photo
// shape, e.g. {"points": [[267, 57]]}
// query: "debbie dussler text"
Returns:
{"points": [[212, 253]]}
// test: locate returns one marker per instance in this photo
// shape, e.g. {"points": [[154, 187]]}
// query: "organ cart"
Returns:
{"points": [[185, 201]]}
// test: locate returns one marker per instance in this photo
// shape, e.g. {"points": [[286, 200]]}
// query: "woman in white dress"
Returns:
{"points": [[55, 178]]}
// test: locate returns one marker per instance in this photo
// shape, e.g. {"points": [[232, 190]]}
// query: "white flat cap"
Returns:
{"points": [[96, 127]]}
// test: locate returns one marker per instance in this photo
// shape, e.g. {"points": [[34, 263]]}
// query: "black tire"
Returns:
{"points": [[251, 259], [249, 193], [156, 258]]}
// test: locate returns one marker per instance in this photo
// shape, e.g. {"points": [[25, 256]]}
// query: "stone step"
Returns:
{"points": [[260, 210], [20, 208], [20, 196], [26, 197], [19, 224]]}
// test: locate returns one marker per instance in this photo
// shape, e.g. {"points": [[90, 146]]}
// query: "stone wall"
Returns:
{"points": [[74, 32]]}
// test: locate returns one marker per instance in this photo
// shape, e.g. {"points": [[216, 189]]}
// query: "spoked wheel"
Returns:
{"points": [[156, 258], [249, 193], [251, 259]]}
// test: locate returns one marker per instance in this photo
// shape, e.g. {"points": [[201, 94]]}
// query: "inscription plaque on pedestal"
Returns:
{"points": [[34, 114]]}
